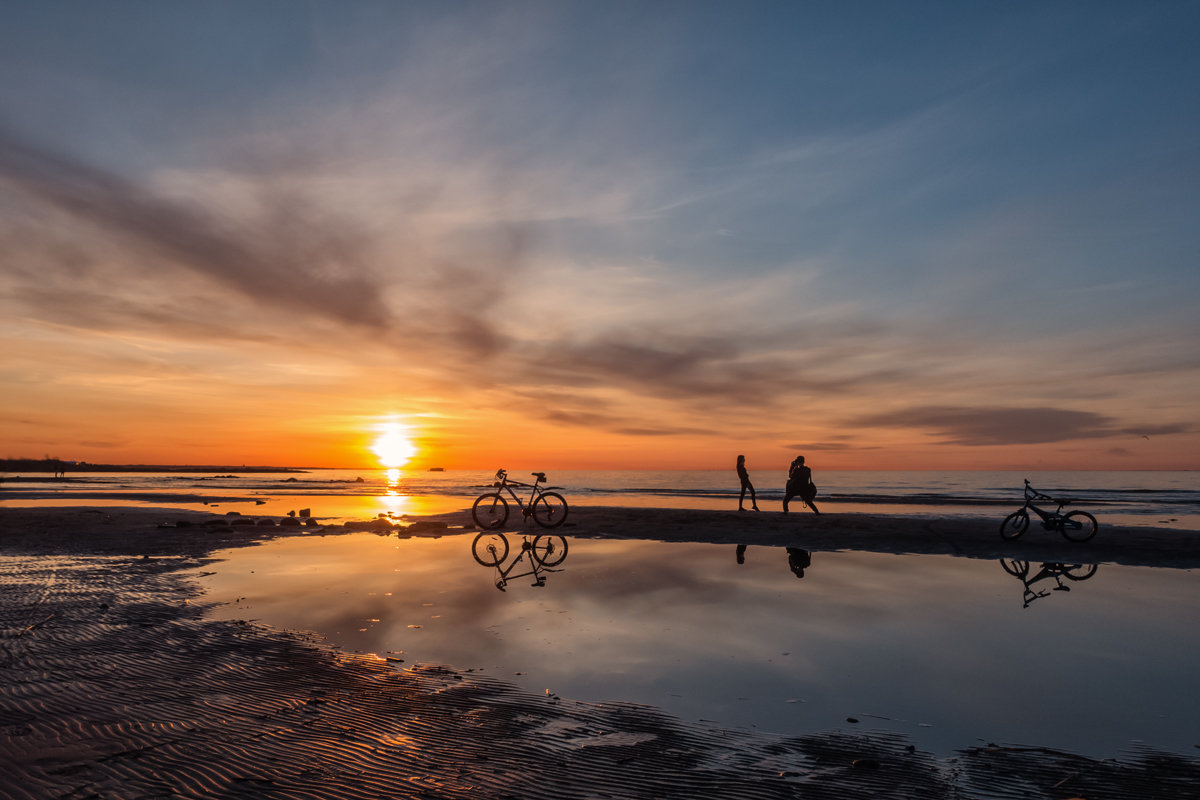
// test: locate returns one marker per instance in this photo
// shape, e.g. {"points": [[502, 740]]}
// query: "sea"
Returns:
{"points": [[1158, 498], [946, 652]]}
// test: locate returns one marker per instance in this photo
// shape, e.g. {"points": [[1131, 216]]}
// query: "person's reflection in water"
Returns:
{"points": [[741, 554], [798, 561]]}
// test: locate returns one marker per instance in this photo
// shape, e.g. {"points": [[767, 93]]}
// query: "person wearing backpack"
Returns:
{"points": [[800, 484]]}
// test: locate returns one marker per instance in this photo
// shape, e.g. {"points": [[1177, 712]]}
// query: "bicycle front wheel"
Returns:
{"points": [[550, 510], [1014, 524], [490, 511], [1018, 569], [549, 550], [1078, 526], [490, 549]]}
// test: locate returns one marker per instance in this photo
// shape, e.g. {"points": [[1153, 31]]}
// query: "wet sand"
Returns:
{"points": [[114, 684]]}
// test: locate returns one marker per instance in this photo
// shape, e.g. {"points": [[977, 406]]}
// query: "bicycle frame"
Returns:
{"points": [[534, 490], [1050, 519]]}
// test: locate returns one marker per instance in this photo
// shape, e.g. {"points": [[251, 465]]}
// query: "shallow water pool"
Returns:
{"points": [[951, 652]]}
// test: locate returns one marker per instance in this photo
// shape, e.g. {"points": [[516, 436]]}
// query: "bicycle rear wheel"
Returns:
{"points": [[1078, 526], [550, 510], [1014, 524], [490, 549], [490, 511], [550, 550], [1079, 572]]}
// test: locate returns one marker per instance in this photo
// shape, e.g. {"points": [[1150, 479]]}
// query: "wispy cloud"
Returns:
{"points": [[978, 426], [286, 259]]}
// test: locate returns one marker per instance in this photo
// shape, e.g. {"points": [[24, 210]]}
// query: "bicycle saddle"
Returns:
{"points": [[541, 476]]}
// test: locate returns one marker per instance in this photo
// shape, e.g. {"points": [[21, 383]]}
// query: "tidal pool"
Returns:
{"points": [[952, 652]]}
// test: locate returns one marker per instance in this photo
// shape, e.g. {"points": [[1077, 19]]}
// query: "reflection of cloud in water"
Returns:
{"points": [[684, 627]]}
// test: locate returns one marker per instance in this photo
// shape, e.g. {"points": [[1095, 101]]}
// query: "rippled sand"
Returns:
{"points": [[114, 684]]}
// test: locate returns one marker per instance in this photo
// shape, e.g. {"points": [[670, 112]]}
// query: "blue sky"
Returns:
{"points": [[927, 233]]}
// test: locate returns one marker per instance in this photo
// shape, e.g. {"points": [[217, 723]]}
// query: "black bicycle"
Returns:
{"points": [[1076, 526], [548, 509]]}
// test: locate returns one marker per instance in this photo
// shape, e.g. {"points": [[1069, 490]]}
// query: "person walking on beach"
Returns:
{"points": [[799, 484], [744, 477]]}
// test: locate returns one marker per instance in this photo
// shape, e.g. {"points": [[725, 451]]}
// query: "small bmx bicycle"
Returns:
{"points": [[548, 509], [1077, 526], [545, 552]]}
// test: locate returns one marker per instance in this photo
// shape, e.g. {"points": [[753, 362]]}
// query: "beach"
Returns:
{"points": [[116, 684]]}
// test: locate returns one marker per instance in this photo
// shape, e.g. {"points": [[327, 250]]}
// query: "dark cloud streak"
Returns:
{"points": [[284, 260], [981, 426]]}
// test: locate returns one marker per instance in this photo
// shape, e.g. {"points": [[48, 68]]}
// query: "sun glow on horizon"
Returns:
{"points": [[394, 447]]}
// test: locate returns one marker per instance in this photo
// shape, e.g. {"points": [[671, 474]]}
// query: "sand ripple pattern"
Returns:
{"points": [[114, 685]]}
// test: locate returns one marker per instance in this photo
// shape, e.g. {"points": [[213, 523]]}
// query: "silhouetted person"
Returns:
{"points": [[744, 477], [798, 561], [799, 484]]}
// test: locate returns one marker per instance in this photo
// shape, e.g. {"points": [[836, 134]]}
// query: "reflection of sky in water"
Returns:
{"points": [[940, 648]]}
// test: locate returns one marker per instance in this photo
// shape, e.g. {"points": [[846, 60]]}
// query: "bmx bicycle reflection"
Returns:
{"points": [[544, 553], [1051, 569]]}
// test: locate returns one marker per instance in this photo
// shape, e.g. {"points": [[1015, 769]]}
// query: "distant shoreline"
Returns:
{"points": [[53, 465]]}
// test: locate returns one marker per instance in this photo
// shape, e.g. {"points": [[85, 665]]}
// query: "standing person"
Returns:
{"points": [[799, 484], [744, 477]]}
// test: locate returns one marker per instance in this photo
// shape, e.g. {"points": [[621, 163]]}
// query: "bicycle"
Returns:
{"points": [[545, 552], [1077, 526], [548, 509], [1050, 569]]}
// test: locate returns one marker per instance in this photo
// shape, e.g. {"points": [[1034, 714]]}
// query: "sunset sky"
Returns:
{"points": [[602, 234]]}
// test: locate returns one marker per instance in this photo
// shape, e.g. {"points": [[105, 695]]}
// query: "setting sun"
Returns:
{"points": [[394, 447]]}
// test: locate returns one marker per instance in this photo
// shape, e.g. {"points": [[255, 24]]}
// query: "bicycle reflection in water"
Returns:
{"points": [[543, 552], [1050, 569]]}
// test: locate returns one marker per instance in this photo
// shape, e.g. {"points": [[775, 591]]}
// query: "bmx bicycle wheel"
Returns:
{"points": [[1014, 524], [549, 549], [1018, 569], [490, 511], [550, 510], [1079, 572], [1078, 526], [490, 549]]}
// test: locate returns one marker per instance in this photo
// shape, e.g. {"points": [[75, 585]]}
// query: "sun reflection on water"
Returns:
{"points": [[397, 504]]}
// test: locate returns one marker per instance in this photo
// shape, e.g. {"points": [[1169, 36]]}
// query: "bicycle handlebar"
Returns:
{"points": [[1033, 494]]}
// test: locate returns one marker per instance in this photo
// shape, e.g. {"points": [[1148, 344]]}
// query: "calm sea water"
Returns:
{"points": [[1169, 499], [950, 652]]}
